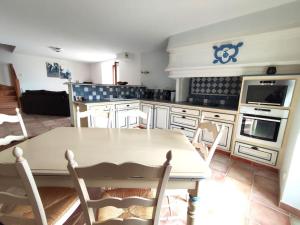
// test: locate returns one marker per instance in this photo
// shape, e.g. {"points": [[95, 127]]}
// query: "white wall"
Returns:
{"points": [[130, 69], [4, 74], [95, 71], [31, 71], [156, 62]]}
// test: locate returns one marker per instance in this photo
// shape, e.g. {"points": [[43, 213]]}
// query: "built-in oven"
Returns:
{"points": [[268, 92], [262, 126]]}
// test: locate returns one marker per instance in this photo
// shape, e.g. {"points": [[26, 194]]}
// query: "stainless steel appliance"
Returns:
{"points": [[268, 92], [262, 126]]}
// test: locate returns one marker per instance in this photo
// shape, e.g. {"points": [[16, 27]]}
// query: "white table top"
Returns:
{"points": [[45, 153]]}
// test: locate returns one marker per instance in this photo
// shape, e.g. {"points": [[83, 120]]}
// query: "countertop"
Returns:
{"points": [[228, 108]]}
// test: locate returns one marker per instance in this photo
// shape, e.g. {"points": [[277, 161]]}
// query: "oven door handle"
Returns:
{"points": [[266, 119]]}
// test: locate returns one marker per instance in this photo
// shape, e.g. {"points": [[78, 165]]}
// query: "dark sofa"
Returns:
{"points": [[45, 103]]}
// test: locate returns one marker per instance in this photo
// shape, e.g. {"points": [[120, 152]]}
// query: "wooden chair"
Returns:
{"points": [[203, 149], [24, 204], [138, 114], [134, 173], [93, 115], [13, 119]]}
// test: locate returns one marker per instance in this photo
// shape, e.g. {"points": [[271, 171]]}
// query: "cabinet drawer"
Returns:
{"points": [[189, 133], [258, 154], [184, 121], [127, 105], [225, 140], [192, 112], [101, 107], [219, 116]]}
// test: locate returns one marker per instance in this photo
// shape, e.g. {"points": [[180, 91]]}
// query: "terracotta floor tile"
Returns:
{"points": [[221, 157], [241, 174], [217, 175], [265, 172], [220, 166], [267, 184], [266, 216], [265, 197]]}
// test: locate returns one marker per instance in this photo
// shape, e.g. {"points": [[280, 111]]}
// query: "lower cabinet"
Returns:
{"points": [[161, 116], [122, 121], [146, 108], [189, 133], [254, 153], [226, 136]]}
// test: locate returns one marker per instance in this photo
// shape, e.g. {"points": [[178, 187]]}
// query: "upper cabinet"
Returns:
{"points": [[237, 56]]}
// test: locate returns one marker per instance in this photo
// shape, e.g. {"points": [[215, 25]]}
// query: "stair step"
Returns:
{"points": [[9, 105], [8, 111], [7, 93], [4, 87], [7, 98]]}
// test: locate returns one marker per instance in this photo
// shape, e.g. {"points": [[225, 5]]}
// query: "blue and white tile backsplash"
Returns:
{"points": [[215, 85], [215, 90], [100, 92]]}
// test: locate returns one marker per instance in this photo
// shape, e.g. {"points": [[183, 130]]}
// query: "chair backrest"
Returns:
{"points": [[216, 133], [138, 114], [13, 119], [127, 171], [19, 174], [93, 115]]}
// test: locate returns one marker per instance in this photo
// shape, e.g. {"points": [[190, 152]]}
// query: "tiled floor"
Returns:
{"points": [[237, 193]]}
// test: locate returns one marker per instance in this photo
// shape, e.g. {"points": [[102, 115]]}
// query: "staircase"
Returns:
{"points": [[9, 100]]}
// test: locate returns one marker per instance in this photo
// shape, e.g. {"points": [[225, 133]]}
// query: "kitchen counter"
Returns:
{"points": [[219, 108]]}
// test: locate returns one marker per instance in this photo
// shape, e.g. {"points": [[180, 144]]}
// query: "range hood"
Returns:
{"points": [[255, 53]]}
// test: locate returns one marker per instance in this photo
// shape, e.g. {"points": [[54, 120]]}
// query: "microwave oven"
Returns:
{"points": [[268, 92]]}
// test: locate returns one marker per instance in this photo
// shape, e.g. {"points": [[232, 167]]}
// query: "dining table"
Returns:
{"points": [[45, 155]]}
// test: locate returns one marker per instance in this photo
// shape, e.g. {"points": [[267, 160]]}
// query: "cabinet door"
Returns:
{"points": [[132, 121], [225, 139], [146, 108], [161, 117], [121, 120]]}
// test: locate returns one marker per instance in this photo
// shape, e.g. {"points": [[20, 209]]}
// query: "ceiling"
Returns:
{"points": [[95, 30]]}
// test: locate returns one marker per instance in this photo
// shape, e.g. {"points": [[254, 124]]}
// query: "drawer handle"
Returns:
{"points": [[183, 117], [127, 105], [254, 148], [183, 111], [217, 116], [182, 128]]}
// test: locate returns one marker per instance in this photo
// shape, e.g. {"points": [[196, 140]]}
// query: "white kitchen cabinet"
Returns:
{"points": [[121, 120], [225, 141], [146, 108], [100, 121], [258, 154], [161, 116]]}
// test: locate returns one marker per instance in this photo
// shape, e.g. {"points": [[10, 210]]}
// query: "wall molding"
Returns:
{"points": [[290, 209]]}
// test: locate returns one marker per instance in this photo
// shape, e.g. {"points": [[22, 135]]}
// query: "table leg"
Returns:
{"points": [[193, 206]]}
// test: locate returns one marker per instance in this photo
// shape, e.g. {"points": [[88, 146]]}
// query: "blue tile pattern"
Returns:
{"points": [[97, 92], [215, 91], [216, 85]]}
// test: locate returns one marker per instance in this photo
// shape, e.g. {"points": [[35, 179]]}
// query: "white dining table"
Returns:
{"points": [[45, 155]]}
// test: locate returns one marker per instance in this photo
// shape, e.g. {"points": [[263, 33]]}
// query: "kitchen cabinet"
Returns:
{"points": [[100, 121], [146, 108], [225, 141], [121, 120], [161, 116], [185, 120], [257, 154]]}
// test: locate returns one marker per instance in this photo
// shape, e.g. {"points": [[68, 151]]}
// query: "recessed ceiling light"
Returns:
{"points": [[56, 49]]}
